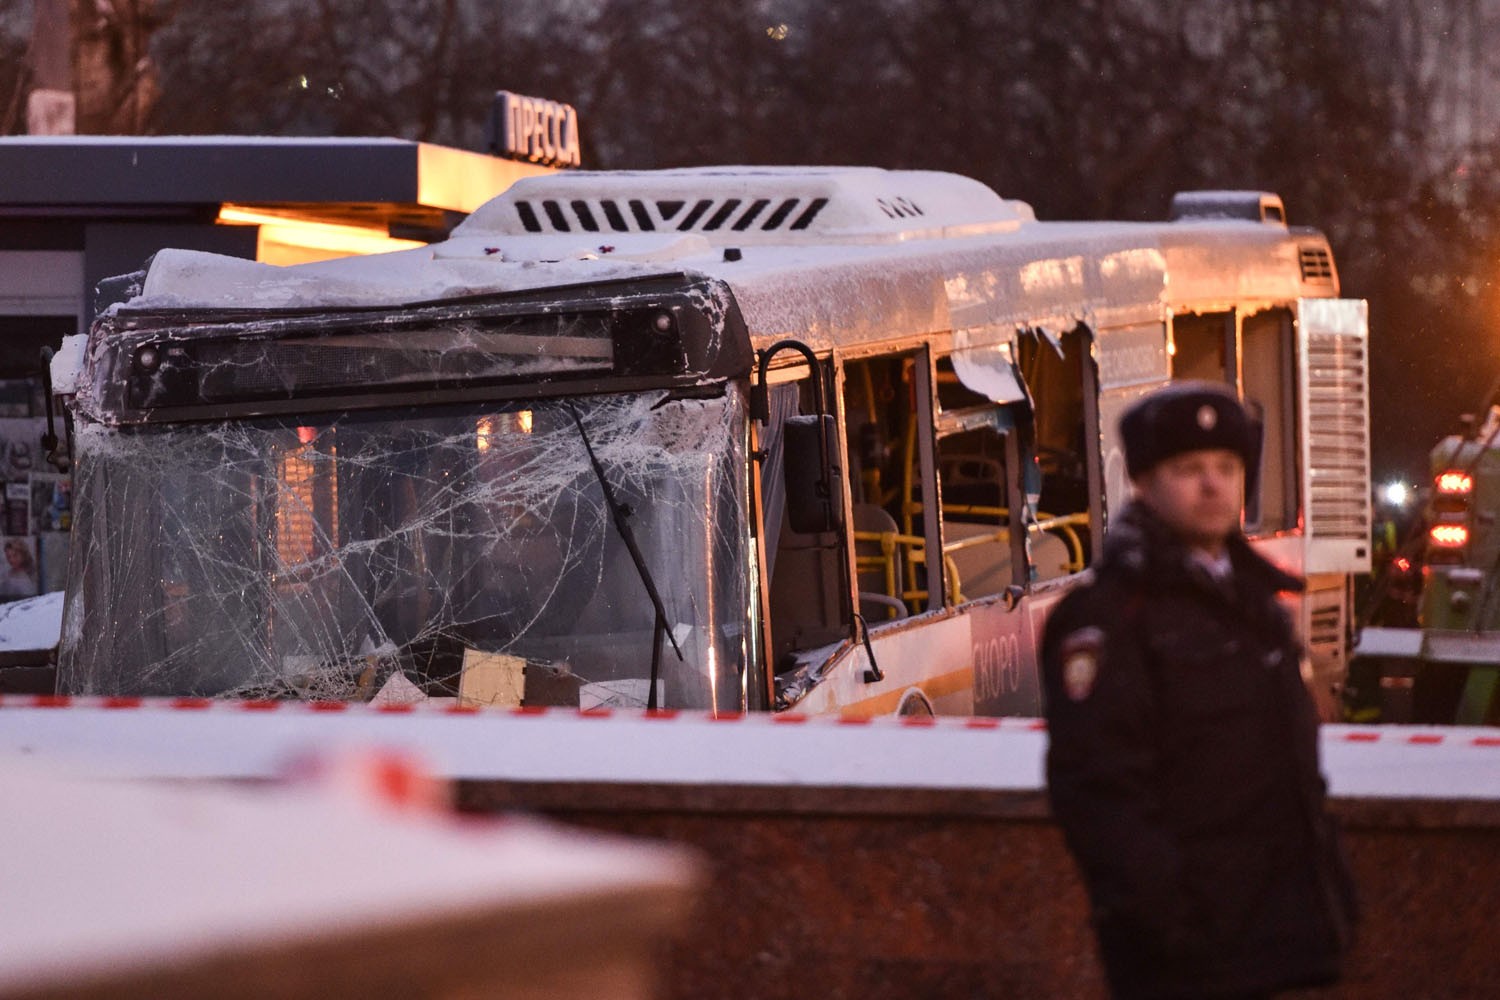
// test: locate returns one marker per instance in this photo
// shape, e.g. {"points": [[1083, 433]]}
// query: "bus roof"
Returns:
{"points": [[833, 256]]}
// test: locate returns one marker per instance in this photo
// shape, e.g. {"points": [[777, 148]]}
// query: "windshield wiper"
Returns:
{"points": [[620, 514]]}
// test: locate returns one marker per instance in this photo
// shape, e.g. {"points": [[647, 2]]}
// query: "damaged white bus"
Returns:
{"points": [[715, 439]]}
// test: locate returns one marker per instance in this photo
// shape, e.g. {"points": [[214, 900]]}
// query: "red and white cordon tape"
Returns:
{"points": [[1394, 734], [124, 703], [1460, 736]]}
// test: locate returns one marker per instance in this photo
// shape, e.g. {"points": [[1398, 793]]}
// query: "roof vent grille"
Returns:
{"points": [[749, 206], [1317, 265], [645, 215], [899, 208]]}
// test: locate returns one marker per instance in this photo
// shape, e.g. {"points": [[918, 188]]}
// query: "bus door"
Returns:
{"points": [[889, 459], [923, 658], [837, 597]]}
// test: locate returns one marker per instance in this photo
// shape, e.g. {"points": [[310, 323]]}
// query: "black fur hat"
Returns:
{"points": [[1187, 416]]}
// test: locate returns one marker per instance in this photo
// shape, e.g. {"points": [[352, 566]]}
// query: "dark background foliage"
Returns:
{"points": [[1086, 109]]}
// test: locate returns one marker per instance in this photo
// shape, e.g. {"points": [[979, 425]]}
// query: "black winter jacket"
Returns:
{"points": [[1183, 769]]}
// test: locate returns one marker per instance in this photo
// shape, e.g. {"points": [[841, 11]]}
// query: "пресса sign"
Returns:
{"points": [[529, 128]]}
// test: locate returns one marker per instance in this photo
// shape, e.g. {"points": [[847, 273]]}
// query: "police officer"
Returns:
{"points": [[1183, 760]]}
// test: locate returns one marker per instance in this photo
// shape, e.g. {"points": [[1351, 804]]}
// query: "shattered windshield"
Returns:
{"points": [[459, 550]]}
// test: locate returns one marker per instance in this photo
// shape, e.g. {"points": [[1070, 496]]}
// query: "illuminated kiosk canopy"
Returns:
{"points": [[312, 198]]}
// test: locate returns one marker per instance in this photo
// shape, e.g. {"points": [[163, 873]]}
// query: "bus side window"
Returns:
{"points": [[1203, 346], [808, 607], [1060, 374], [1269, 381], [881, 425], [976, 457]]}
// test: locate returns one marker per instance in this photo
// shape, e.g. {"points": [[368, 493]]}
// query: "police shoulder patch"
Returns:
{"points": [[1080, 653]]}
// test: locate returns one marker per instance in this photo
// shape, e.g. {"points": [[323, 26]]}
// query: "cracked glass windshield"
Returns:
{"points": [[468, 549]]}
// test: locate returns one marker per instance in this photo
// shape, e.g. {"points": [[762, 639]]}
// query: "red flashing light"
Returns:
{"points": [[1448, 536], [1402, 564], [1454, 483]]}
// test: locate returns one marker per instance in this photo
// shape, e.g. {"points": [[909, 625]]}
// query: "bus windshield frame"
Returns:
{"points": [[419, 506]]}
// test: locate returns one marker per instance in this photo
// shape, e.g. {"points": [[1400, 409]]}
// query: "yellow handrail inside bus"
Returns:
{"points": [[914, 550], [1063, 525], [884, 562]]}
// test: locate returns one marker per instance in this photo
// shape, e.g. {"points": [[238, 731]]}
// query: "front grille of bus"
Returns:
{"points": [[1317, 265], [641, 215], [1338, 442]]}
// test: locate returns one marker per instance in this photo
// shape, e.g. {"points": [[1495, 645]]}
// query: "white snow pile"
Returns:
{"points": [[34, 623]]}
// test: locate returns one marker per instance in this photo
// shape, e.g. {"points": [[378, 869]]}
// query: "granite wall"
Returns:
{"points": [[844, 893]]}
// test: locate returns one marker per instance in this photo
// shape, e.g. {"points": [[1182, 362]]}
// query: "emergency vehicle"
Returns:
{"points": [[1447, 668], [824, 440]]}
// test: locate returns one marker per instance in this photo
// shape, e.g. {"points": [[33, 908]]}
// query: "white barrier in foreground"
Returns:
{"points": [[179, 739], [319, 887]]}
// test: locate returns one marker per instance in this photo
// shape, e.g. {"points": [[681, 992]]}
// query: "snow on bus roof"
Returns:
{"points": [[853, 257], [767, 282], [688, 214], [190, 279], [1051, 275]]}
